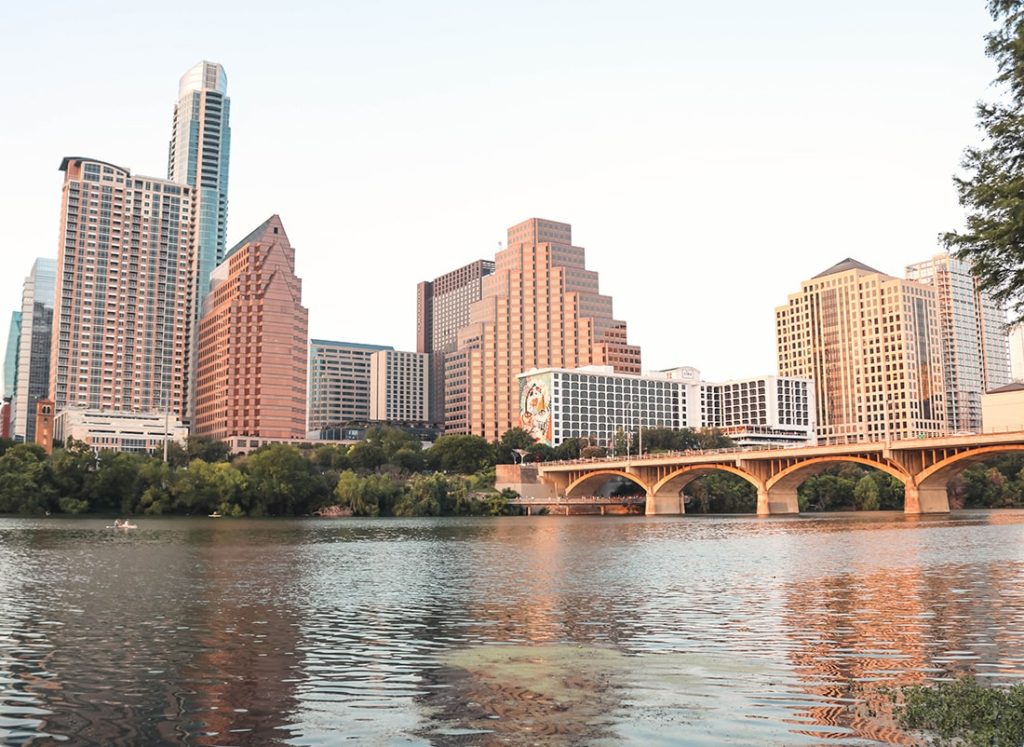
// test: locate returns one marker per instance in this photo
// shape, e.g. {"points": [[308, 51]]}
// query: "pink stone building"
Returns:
{"points": [[251, 375]]}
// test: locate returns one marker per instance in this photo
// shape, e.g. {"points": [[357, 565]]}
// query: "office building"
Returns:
{"points": [[32, 381], [399, 386], [199, 157], [873, 347], [11, 355], [251, 373], [1016, 342], [976, 356], [119, 312], [442, 307], [540, 308], [339, 383], [594, 404], [138, 433]]}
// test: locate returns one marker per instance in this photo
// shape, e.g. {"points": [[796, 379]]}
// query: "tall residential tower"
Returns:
{"points": [[976, 355], [32, 381]]}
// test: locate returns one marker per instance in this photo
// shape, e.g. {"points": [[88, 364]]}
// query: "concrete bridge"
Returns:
{"points": [[924, 466]]}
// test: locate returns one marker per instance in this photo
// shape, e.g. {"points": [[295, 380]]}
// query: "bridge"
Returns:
{"points": [[924, 466]]}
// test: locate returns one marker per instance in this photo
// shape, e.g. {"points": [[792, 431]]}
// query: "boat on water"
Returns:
{"points": [[214, 515], [122, 524]]}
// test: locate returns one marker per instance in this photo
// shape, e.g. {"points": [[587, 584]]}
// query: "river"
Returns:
{"points": [[509, 631]]}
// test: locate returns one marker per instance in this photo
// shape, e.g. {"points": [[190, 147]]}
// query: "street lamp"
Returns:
{"points": [[521, 452]]}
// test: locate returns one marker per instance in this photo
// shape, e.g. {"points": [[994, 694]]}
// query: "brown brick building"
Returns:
{"points": [[251, 377]]}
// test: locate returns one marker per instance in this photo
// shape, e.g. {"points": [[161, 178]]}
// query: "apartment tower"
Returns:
{"points": [[119, 310], [251, 375], [976, 353], [872, 344], [541, 308], [399, 386], [442, 307], [199, 156], [32, 380]]}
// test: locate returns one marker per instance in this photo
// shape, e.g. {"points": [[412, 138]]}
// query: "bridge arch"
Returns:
{"points": [[932, 482], [782, 487], [586, 484], [672, 483]]}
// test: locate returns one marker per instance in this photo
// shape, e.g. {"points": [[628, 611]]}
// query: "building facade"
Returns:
{"points": [[139, 433], [399, 386], [594, 404], [540, 308], [976, 355], [339, 383], [251, 373], [1003, 408], [872, 345], [1016, 342], [11, 355], [442, 307], [199, 157], [32, 381], [119, 312]]}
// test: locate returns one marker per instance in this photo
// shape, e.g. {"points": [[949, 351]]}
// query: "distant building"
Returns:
{"points": [[976, 356], [540, 308], [251, 378], [45, 432], [199, 157], [1017, 352], [399, 386], [872, 345], [442, 307], [1002, 409], [133, 432], [594, 403], [11, 355], [5, 418], [339, 382], [33, 360], [119, 315]]}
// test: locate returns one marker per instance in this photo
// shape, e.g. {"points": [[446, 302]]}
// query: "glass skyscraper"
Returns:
{"points": [[198, 156]]}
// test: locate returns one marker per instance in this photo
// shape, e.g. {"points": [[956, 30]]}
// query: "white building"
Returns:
{"points": [[1017, 352], [975, 350], [399, 386], [118, 430], [594, 403]]}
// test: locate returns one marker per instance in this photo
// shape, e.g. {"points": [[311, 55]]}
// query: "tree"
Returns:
{"points": [[865, 494], [280, 481], [22, 485], [463, 454], [207, 449], [993, 191]]}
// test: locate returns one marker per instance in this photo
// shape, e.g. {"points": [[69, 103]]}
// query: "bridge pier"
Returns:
{"points": [[925, 499], [664, 505], [777, 502]]}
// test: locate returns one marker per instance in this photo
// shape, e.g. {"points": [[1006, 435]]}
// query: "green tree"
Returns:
{"points": [[866, 494], [511, 440], [23, 489], [366, 456], [281, 482], [461, 454], [993, 190], [207, 449]]}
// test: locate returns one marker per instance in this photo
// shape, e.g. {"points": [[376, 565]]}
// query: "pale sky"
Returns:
{"points": [[709, 156]]}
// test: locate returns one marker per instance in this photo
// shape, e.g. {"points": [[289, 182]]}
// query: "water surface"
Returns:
{"points": [[532, 631]]}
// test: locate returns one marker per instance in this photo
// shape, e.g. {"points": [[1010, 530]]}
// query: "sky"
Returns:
{"points": [[709, 156]]}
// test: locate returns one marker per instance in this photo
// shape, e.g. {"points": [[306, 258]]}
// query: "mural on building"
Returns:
{"points": [[535, 407]]}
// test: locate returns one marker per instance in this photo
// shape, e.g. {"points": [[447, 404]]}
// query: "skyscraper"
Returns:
{"points": [[976, 355], [339, 382], [199, 156], [251, 377], [540, 308], [119, 314], [399, 386], [33, 377], [442, 307], [872, 344]]}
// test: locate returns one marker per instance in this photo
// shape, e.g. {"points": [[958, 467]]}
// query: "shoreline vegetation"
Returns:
{"points": [[390, 474]]}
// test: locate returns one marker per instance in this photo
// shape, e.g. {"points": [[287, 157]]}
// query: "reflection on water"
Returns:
{"points": [[544, 630]]}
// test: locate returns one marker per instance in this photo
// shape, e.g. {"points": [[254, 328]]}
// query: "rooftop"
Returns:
{"points": [[846, 265]]}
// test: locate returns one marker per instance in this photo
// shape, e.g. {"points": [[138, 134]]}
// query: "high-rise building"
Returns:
{"points": [[119, 314], [199, 156], [872, 344], [33, 377], [339, 382], [540, 308], [442, 307], [251, 374], [399, 386], [976, 355], [11, 355]]}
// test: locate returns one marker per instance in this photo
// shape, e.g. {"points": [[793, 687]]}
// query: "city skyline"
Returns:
{"points": [[704, 162]]}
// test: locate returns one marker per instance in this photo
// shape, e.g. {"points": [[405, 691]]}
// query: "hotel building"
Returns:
{"points": [[399, 386], [119, 311], [975, 347], [32, 379], [251, 378], [199, 156], [339, 383], [540, 308], [442, 307], [594, 403], [872, 345]]}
